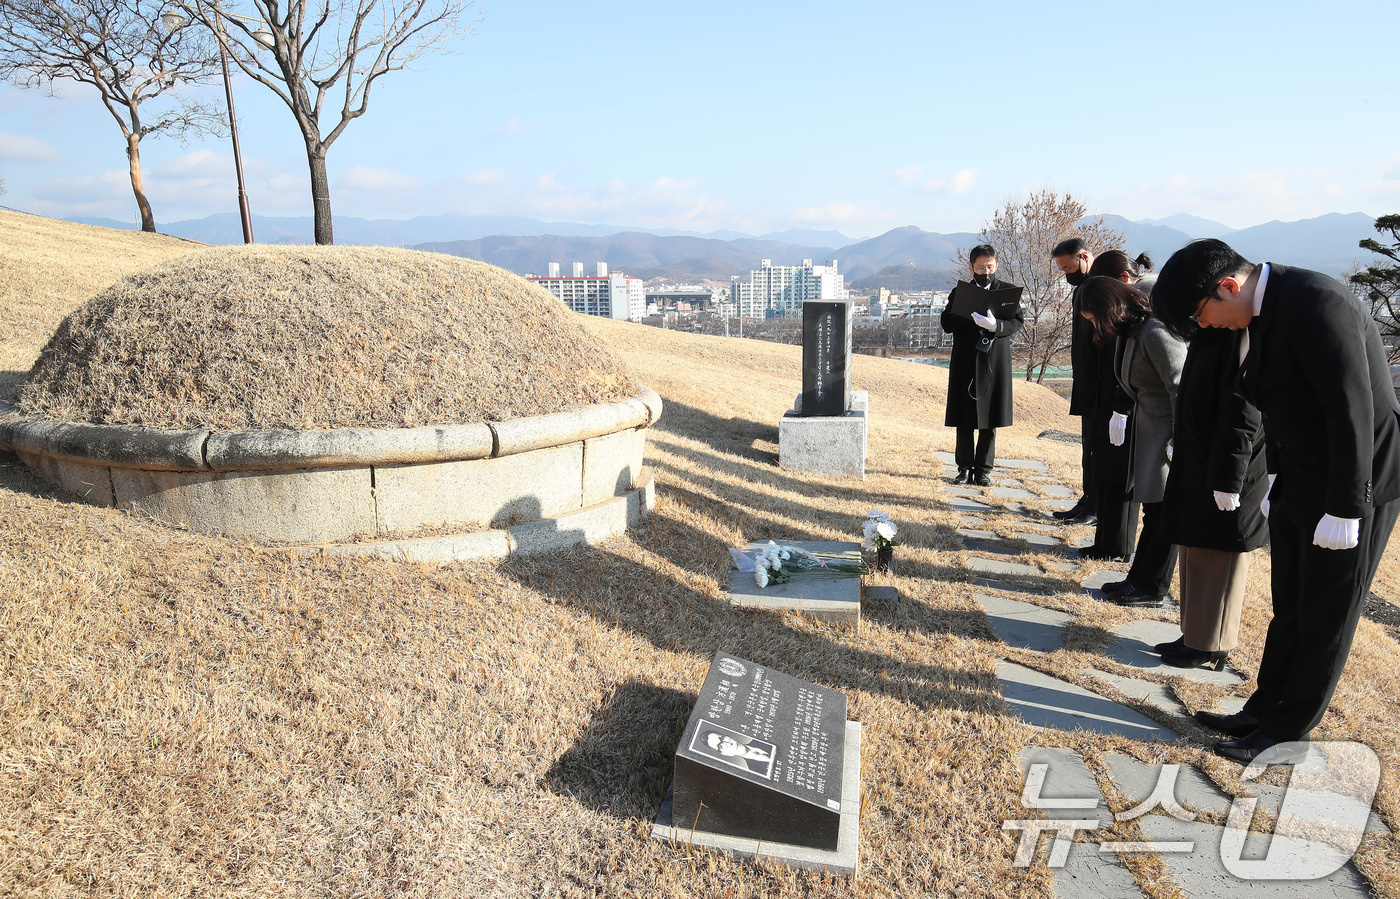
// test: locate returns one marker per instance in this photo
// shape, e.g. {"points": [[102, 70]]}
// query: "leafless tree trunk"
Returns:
{"points": [[1023, 234], [120, 48], [309, 51]]}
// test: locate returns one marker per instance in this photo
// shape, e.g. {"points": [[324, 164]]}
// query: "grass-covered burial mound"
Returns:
{"points": [[317, 338]]}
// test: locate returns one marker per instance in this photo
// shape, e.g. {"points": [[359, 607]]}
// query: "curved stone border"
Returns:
{"points": [[155, 449], [337, 485]]}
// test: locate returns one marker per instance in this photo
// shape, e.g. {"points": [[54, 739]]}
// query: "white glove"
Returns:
{"points": [[1337, 533], [1264, 503], [1169, 452], [1226, 502], [985, 322], [1117, 429]]}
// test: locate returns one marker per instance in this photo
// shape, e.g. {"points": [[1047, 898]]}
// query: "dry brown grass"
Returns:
{"points": [[183, 715], [319, 337]]}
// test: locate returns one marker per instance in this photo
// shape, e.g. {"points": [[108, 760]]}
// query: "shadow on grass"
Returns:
{"points": [[9, 383], [734, 436], [623, 761]]}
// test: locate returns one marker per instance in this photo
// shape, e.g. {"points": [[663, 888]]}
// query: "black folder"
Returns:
{"points": [[969, 298]]}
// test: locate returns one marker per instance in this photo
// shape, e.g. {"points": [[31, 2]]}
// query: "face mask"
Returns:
{"points": [[982, 280], [1076, 278]]}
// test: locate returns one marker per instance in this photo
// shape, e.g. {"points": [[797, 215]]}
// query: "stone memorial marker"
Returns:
{"points": [[826, 357], [763, 757]]}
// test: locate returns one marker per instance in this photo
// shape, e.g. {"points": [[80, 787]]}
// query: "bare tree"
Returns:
{"points": [[1023, 234], [311, 51], [1378, 284], [120, 48]]}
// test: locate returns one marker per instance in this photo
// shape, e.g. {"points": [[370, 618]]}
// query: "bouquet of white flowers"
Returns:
{"points": [[774, 564], [879, 531]]}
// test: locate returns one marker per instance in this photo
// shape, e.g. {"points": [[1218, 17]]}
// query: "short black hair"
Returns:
{"points": [[1070, 246], [1114, 263], [1192, 274], [979, 251]]}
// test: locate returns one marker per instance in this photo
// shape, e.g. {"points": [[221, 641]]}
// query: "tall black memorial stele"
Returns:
{"points": [[762, 757], [826, 357]]}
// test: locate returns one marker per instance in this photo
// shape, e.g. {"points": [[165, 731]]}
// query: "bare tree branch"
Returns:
{"points": [[311, 53], [120, 48]]}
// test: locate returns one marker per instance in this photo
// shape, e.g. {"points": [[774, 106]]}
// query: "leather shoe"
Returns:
{"points": [[964, 476], [1074, 511], [1240, 724], [1132, 596], [1081, 518], [981, 479], [1160, 648], [1186, 657], [1248, 748], [1099, 555], [1115, 587]]}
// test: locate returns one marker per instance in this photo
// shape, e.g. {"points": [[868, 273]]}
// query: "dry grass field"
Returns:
{"points": [[182, 715]]}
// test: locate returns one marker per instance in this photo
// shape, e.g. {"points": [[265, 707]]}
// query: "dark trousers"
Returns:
{"points": [[1118, 518], [1152, 567], [1089, 501], [984, 456], [1318, 597]]}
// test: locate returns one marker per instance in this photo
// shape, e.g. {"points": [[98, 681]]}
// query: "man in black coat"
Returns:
{"points": [[1314, 365], [979, 378], [1074, 258]]}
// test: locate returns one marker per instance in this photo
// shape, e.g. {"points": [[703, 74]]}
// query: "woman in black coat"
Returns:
{"points": [[1211, 508], [979, 382]]}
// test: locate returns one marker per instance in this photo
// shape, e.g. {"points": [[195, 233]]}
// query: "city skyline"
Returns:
{"points": [[755, 119]]}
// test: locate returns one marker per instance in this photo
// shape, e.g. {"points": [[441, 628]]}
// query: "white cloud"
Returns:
{"points": [[512, 128], [487, 176], [23, 148], [363, 178], [840, 214], [960, 182], [909, 174]]}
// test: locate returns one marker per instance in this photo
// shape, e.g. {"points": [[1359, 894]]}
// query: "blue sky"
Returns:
{"points": [[762, 116]]}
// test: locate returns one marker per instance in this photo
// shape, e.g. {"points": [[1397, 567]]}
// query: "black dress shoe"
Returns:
{"points": [[1257, 746], [1115, 587], [1132, 596], [964, 476], [981, 479], [1080, 507], [1186, 657], [1240, 724], [1160, 648], [1082, 518], [1095, 554]]}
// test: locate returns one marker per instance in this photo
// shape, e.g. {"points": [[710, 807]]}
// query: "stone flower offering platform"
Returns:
{"points": [[835, 600]]}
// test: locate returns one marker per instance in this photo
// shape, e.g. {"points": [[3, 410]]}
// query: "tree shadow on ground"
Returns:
{"points": [[734, 436]]}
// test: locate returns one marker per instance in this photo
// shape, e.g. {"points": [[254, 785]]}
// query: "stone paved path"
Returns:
{"points": [[1016, 568]]}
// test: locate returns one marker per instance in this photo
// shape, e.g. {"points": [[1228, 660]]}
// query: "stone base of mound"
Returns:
{"points": [[525, 484], [590, 524]]}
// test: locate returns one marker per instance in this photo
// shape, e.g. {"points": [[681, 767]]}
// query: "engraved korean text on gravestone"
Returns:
{"points": [[826, 357]]}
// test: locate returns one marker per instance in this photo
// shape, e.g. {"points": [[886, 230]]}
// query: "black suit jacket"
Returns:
{"points": [[1318, 373], [979, 384]]}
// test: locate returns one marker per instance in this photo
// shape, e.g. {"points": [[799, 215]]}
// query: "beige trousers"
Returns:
{"points": [[1212, 597]]}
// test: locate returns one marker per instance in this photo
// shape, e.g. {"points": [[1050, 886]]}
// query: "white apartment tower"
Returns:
{"points": [[782, 289], [607, 295]]}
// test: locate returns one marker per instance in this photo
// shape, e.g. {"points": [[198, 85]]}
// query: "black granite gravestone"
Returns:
{"points": [[762, 757], [826, 357]]}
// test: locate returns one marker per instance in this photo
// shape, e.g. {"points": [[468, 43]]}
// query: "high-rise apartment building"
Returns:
{"points": [[607, 295], [782, 289]]}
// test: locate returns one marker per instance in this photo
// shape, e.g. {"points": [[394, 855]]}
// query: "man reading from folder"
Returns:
{"points": [[979, 371]]}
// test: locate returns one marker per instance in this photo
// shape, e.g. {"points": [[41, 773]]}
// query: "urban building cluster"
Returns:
{"points": [[605, 294]]}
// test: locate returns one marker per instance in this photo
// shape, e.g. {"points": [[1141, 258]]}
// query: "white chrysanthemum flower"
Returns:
{"points": [[760, 575], [869, 528], [868, 544], [877, 515], [887, 529]]}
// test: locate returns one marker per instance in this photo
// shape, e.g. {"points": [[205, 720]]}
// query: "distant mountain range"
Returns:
{"points": [[1327, 243]]}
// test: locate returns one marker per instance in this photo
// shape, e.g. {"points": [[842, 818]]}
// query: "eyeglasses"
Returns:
{"points": [[1200, 307]]}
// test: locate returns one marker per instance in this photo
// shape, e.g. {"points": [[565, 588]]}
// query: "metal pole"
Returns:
{"points": [[233, 129]]}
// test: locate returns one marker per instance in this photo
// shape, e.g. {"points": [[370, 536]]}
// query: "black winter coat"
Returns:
{"points": [[1217, 444], [979, 384], [1111, 463]]}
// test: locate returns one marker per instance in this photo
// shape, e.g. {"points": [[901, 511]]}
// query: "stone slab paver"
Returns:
{"points": [[1048, 702], [877, 593], [982, 546], [993, 584], [1201, 872], [1013, 493], [965, 491], [1025, 464], [997, 566], [1194, 791], [1095, 581], [977, 534], [1061, 566], [968, 505], [1025, 625], [970, 520], [1133, 644], [1039, 540], [1066, 777], [1155, 695], [1059, 490]]}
